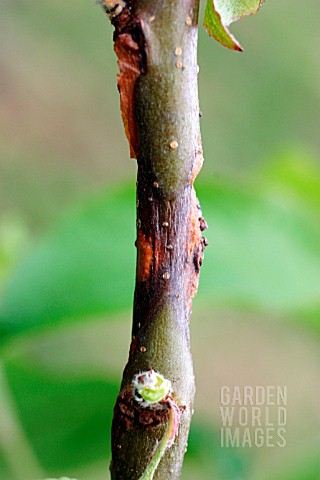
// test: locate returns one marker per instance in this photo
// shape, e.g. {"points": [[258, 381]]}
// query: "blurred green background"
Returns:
{"points": [[67, 221]]}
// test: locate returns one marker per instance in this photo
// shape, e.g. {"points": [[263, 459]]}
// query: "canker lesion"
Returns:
{"points": [[127, 51], [129, 45], [195, 251], [145, 256]]}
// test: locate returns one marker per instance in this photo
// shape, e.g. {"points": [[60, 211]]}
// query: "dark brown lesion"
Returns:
{"points": [[131, 415], [196, 246], [170, 248]]}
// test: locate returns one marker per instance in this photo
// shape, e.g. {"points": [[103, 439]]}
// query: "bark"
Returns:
{"points": [[156, 45]]}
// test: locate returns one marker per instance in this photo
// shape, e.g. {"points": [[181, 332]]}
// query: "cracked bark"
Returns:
{"points": [[156, 45]]}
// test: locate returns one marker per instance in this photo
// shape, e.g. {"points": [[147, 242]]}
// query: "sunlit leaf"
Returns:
{"points": [[220, 14]]}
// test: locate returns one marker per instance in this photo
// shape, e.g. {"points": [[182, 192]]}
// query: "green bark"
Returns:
{"points": [[156, 42]]}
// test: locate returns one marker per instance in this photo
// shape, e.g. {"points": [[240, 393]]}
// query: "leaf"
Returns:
{"points": [[295, 175], [219, 14], [264, 254], [67, 420], [84, 267], [210, 460], [13, 240]]}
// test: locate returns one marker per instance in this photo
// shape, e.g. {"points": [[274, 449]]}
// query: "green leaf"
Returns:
{"points": [[14, 237], [84, 267], [210, 460], [220, 14], [67, 420], [264, 253], [293, 174]]}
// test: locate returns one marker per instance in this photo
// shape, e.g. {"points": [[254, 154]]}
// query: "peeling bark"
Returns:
{"points": [[127, 51], [130, 49], [156, 45]]}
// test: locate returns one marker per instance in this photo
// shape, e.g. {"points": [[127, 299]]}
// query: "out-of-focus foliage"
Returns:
{"points": [[83, 255], [66, 420], [264, 256], [67, 285], [258, 229]]}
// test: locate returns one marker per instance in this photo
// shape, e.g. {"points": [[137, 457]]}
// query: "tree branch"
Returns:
{"points": [[156, 45]]}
